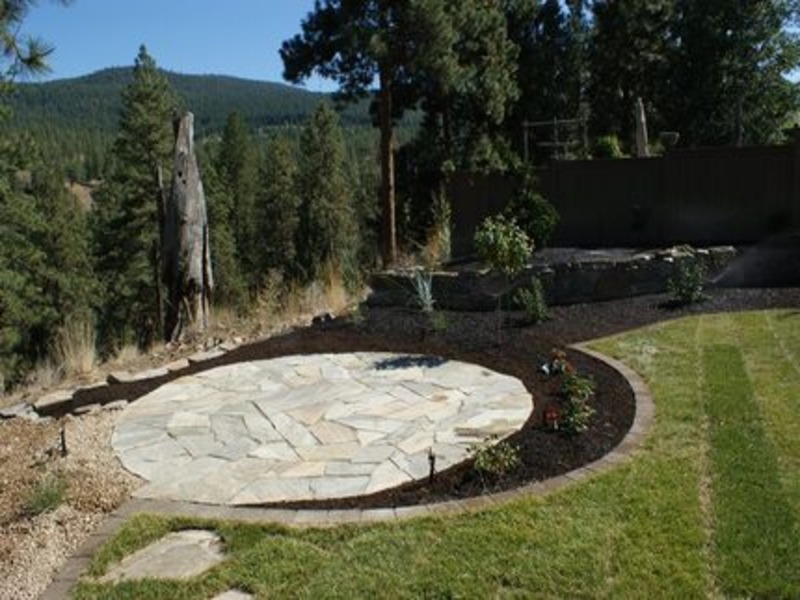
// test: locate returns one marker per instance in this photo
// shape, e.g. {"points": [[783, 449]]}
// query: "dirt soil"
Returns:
{"points": [[473, 337]]}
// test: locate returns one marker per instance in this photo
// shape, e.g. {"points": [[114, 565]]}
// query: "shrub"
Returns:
{"points": [[687, 285], [48, 494], [535, 215], [576, 391], [607, 146], [502, 244], [493, 460], [532, 301]]}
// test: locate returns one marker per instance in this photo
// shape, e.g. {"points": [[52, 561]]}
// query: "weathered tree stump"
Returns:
{"points": [[185, 244]]}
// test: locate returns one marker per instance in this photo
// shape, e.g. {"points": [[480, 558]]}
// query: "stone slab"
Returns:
{"points": [[311, 427], [180, 555]]}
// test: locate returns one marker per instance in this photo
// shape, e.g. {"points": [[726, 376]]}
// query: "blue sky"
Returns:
{"points": [[229, 37]]}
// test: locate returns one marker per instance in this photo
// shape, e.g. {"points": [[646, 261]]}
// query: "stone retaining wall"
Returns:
{"points": [[579, 279]]}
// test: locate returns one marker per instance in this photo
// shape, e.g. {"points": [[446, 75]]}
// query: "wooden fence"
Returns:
{"points": [[700, 196]]}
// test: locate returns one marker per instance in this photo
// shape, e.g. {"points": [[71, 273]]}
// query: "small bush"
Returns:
{"points": [[502, 244], [493, 460], [48, 494], [534, 214], [607, 146], [576, 391], [439, 321], [532, 301], [687, 286]]}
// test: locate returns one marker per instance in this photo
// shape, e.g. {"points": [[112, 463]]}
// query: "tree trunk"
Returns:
{"points": [[387, 170], [187, 263]]}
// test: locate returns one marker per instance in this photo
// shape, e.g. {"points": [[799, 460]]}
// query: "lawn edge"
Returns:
{"points": [[68, 576]]}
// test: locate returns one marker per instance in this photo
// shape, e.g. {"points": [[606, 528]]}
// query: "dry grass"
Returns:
{"points": [[75, 349]]}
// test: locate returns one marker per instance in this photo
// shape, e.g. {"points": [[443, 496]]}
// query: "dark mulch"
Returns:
{"points": [[472, 337]]}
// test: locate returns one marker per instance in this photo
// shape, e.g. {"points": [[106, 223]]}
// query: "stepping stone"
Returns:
{"points": [[179, 555]]}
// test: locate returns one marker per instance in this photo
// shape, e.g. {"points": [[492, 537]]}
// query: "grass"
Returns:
{"points": [[709, 507], [48, 494]]}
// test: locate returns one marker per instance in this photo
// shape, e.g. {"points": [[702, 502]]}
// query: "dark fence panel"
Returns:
{"points": [[702, 196]]}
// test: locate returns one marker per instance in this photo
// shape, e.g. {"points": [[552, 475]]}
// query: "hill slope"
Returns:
{"points": [[93, 101]]}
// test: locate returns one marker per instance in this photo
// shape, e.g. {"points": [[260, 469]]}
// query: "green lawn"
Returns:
{"points": [[709, 507]]}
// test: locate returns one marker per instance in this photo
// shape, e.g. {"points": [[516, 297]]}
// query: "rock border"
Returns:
{"points": [[644, 417]]}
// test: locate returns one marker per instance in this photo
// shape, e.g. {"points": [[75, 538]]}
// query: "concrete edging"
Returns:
{"points": [[644, 416]]}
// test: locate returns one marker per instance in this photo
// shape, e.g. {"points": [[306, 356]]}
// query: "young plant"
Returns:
{"points": [[423, 290], [48, 494], [502, 244], [687, 285], [532, 301], [493, 460], [576, 391]]}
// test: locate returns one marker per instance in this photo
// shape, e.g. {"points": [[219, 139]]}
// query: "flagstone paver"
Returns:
{"points": [[312, 427]]}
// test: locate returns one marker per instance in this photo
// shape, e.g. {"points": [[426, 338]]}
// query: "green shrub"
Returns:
{"points": [[502, 244], [493, 460], [607, 146], [506, 248], [48, 494], [532, 301], [576, 391], [534, 214], [687, 285]]}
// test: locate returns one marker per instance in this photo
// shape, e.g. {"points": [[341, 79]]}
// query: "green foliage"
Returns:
{"points": [[48, 494], [126, 234], [493, 459], [534, 214], [731, 71], [502, 244], [576, 413], [631, 53], [326, 234], [45, 268], [238, 167], [230, 286], [533, 301], [607, 146], [278, 206], [688, 283]]}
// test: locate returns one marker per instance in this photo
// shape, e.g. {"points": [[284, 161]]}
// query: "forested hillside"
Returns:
{"points": [[93, 101]]}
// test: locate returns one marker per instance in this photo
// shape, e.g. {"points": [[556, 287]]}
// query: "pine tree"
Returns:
{"points": [[326, 233], [237, 165], [278, 209], [230, 287], [630, 53], [730, 71], [126, 224]]}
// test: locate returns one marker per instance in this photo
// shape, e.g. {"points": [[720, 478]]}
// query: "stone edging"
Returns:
{"points": [[643, 420]]}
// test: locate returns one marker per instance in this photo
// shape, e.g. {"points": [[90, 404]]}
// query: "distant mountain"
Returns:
{"points": [[92, 102]]}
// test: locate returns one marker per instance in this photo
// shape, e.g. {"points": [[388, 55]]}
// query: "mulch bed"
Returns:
{"points": [[472, 337]]}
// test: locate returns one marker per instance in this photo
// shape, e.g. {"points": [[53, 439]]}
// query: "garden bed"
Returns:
{"points": [[472, 337]]}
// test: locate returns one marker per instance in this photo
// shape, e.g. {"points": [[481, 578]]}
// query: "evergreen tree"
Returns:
{"points": [[126, 224], [730, 71], [326, 232], [278, 209], [358, 43], [238, 167], [630, 53], [230, 287]]}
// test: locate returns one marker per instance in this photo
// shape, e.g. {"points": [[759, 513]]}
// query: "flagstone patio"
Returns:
{"points": [[313, 427]]}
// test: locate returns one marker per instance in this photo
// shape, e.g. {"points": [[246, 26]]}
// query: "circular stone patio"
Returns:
{"points": [[312, 427]]}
